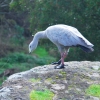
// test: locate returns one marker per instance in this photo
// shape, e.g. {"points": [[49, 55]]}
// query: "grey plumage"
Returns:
{"points": [[67, 36], [64, 37], [88, 50]]}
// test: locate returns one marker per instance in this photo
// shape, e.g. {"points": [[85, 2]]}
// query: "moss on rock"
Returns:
{"points": [[93, 90], [41, 95]]}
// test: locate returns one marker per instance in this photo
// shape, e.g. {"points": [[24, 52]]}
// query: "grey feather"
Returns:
{"points": [[63, 36], [88, 50], [67, 36]]}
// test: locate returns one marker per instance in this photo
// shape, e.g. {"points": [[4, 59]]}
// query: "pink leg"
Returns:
{"points": [[63, 56]]}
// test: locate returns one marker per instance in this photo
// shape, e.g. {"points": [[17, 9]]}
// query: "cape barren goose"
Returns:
{"points": [[64, 37]]}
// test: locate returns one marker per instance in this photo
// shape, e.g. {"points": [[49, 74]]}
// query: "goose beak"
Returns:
{"points": [[29, 51], [33, 35]]}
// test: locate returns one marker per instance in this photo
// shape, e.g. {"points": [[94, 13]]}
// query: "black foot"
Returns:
{"points": [[61, 66], [59, 62]]}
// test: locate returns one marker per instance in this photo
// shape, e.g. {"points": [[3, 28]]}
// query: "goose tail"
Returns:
{"points": [[88, 50]]}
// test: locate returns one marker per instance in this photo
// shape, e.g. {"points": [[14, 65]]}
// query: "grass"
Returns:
{"points": [[24, 60], [43, 55], [94, 90], [41, 95], [41, 52], [17, 60]]}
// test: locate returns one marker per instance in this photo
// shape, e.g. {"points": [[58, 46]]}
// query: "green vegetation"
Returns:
{"points": [[43, 55], [41, 52], [21, 60], [41, 95], [94, 90]]}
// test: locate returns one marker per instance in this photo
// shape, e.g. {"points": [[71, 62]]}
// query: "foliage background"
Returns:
{"points": [[19, 19]]}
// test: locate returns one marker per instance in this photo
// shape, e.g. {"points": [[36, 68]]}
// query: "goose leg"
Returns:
{"points": [[61, 65]]}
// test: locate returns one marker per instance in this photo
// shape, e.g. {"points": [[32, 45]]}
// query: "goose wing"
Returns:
{"points": [[67, 36]]}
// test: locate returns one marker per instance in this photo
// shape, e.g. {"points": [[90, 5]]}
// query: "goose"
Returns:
{"points": [[64, 37]]}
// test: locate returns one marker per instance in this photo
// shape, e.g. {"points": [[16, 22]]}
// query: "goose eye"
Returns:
{"points": [[30, 46]]}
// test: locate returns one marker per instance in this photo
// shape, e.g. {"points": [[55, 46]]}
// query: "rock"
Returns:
{"points": [[96, 67], [5, 93], [94, 98], [66, 84], [95, 75], [58, 87]]}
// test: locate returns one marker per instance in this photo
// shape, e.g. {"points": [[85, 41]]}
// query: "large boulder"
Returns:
{"points": [[69, 83]]}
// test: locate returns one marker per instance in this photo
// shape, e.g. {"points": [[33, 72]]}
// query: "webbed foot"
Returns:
{"points": [[59, 62], [61, 66]]}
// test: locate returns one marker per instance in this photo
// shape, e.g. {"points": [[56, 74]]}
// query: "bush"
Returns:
{"points": [[24, 59]]}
